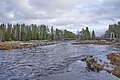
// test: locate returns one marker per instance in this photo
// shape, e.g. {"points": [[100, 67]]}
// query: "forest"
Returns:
{"points": [[23, 32], [113, 28]]}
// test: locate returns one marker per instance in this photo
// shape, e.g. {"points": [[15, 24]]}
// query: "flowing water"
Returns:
{"points": [[60, 61]]}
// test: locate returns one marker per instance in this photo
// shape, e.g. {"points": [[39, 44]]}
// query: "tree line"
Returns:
{"points": [[85, 34], [23, 32], [113, 28]]}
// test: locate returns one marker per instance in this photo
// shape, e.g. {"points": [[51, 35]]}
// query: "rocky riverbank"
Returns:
{"points": [[115, 60], [112, 67], [23, 44], [13, 45], [93, 42]]}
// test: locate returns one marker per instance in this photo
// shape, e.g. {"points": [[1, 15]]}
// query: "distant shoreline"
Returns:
{"points": [[9, 45]]}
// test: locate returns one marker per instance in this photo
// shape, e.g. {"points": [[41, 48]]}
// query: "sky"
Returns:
{"points": [[72, 15]]}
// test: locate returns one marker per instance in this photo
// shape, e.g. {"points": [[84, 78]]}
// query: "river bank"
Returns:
{"points": [[8, 45], [97, 42], [23, 44], [115, 60], [96, 65]]}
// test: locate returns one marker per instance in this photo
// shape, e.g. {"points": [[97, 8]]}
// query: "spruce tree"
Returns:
{"points": [[93, 35]]}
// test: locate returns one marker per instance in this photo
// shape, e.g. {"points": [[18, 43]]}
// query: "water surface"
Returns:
{"points": [[61, 61]]}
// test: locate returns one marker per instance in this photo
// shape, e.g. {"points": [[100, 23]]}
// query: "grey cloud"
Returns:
{"points": [[53, 4], [109, 10], [61, 13]]}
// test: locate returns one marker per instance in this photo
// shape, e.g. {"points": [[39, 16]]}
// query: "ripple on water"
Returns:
{"points": [[56, 62]]}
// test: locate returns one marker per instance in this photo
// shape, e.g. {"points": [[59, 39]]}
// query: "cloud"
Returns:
{"points": [[63, 14]]}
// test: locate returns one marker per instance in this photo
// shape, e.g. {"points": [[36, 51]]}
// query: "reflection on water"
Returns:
{"points": [[54, 62]]}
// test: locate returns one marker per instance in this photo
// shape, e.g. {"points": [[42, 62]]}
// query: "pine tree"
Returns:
{"points": [[57, 36], [93, 35], [52, 33], [87, 34], [29, 33], [8, 33], [3, 30]]}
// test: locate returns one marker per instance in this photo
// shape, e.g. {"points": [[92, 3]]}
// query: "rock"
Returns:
{"points": [[115, 60], [92, 64], [116, 71], [109, 71], [95, 67], [86, 57], [75, 43], [114, 57], [98, 67]]}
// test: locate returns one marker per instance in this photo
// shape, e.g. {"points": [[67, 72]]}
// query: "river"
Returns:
{"points": [[60, 61]]}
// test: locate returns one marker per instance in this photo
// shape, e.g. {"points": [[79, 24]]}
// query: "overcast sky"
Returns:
{"points": [[63, 14]]}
